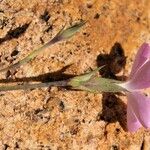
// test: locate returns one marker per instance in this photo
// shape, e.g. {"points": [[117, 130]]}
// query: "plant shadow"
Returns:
{"points": [[47, 77], [113, 109], [15, 33]]}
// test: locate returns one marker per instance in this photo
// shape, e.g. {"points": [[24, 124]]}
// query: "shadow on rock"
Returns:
{"points": [[15, 33], [113, 107], [47, 77]]}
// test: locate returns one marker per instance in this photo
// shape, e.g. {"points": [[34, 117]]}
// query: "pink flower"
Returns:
{"points": [[138, 105]]}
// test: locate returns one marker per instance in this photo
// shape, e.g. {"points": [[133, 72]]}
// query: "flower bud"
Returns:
{"points": [[90, 82], [69, 32]]}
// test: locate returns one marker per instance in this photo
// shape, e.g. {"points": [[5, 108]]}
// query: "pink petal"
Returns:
{"points": [[140, 80], [141, 57], [132, 122], [140, 105]]}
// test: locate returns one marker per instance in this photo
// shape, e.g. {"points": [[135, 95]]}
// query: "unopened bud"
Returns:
{"points": [[89, 82], [69, 32]]}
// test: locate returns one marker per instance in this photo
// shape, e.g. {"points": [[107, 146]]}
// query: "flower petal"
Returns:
{"points": [[141, 57], [133, 123], [140, 80], [140, 105]]}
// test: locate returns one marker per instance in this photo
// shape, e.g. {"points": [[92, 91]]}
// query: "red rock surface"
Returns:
{"points": [[59, 119]]}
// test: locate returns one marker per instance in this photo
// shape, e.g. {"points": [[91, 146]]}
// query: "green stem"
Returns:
{"points": [[63, 83], [31, 56]]}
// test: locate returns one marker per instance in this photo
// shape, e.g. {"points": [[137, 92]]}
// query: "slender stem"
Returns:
{"points": [[31, 56], [32, 86]]}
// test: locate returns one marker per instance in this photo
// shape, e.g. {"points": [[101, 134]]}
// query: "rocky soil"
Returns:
{"points": [[61, 119]]}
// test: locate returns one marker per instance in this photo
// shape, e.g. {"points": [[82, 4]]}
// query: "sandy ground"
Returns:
{"points": [[60, 119]]}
